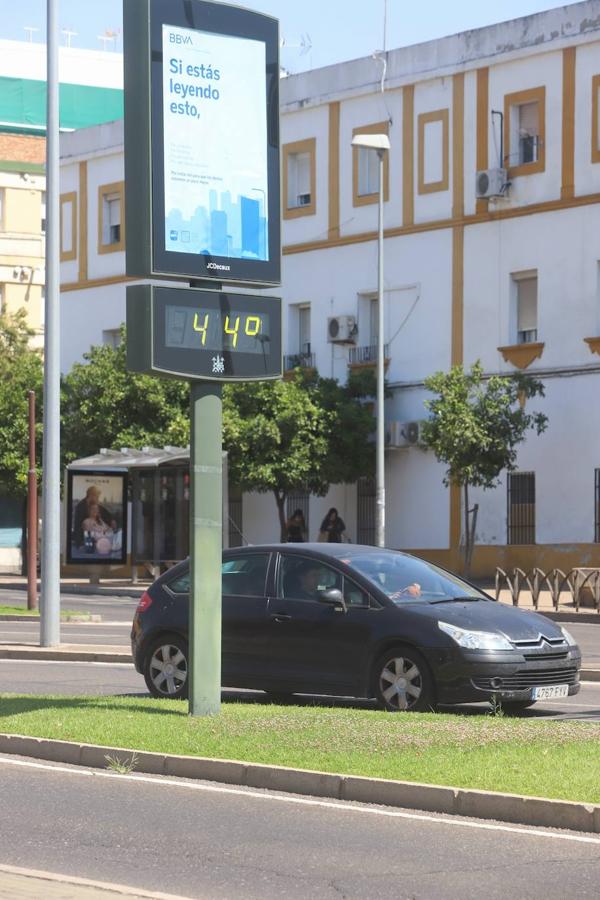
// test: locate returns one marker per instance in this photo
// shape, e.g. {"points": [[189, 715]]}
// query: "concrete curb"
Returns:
{"points": [[93, 590], [513, 808], [589, 675]]}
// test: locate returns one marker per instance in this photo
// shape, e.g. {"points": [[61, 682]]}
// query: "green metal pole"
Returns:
{"points": [[206, 542]]}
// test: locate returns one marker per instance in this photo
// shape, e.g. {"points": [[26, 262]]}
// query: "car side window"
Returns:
{"points": [[180, 585], [354, 595], [245, 576], [301, 578], [241, 576]]}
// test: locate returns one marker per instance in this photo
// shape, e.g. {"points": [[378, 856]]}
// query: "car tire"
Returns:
{"points": [[166, 667], [403, 682], [517, 706]]}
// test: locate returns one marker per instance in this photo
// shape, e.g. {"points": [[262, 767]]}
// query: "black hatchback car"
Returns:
{"points": [[346, 620]]}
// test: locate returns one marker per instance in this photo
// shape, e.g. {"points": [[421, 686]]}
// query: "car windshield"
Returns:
{"points": [[405, 579]]}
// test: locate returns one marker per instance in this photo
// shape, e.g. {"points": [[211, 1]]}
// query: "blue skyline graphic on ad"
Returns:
{"points": [[228, 227]]}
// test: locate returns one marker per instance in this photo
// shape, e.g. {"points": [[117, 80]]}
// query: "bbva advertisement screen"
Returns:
{"points": [[215, 144]]}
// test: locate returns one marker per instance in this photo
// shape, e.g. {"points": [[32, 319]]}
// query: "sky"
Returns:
{"points": [[315, 32]]}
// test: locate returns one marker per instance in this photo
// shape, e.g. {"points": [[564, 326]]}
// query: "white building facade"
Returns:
{"points": [[512, 279]]}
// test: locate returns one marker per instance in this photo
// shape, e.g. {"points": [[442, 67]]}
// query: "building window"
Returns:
{"points": [[596, 119], [525, 127], [68, 226], [111, 337], [434, 169], [365, 168], [521, 508], [299, 500], [304, 329], [235, 500], [525, 291], [43, 213], [111, 218], [2, 209], [299, 178], [597, 506], [365, 510], [43, 306]]}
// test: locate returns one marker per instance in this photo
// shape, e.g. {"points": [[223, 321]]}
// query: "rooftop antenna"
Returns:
{"points": [[106, 38], [304, 45], [68, 35], [29, 31]]}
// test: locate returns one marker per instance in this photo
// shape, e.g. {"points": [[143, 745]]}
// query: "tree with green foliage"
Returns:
{"points": [[105, 405], [475, 428], [304, 433], [21, 371]]}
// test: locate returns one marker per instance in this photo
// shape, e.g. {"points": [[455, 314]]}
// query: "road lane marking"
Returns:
{"points": [[348, 806]]}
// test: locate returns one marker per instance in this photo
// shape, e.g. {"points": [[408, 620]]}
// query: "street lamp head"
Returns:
{"points": [[371, 141]]}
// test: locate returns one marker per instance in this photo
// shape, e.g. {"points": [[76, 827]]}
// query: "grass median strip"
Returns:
{"points": [[559, 760]]}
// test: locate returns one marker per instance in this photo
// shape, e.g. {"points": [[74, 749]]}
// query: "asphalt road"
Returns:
{"points": [[208, 841], [92, 679], [117, 612]]}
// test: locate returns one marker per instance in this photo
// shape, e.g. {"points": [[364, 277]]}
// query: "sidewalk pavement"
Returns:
{"points": [[17, 883]]}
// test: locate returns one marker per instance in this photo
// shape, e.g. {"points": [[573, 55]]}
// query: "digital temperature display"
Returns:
{"points": [[235, 330], [203, 335]]}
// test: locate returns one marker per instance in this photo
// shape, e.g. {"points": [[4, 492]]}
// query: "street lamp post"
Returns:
{"points": [[380, 143]]}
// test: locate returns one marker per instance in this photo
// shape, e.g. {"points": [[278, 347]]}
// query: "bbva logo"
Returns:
{"points": [[179, 38]]}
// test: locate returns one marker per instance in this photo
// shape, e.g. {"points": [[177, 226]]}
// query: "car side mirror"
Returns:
{"points": [[333, 597]]}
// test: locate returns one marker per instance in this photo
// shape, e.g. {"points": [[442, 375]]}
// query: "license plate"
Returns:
{"points": [[551, 692]]}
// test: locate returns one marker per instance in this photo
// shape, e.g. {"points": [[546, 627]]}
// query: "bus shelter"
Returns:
{"points": [[156, 518]]}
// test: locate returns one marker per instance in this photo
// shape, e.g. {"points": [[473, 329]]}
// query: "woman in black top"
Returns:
{"points": [[296, 528], [332, 527]]}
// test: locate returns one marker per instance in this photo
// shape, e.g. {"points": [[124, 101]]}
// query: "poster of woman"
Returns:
{"points": [[96, 517]]}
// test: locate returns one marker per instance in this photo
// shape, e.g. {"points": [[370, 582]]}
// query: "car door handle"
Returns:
{"points": [[280, 617]]}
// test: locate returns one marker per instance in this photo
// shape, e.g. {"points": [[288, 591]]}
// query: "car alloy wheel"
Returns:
{"points": [[403, 682], [166, 668]]}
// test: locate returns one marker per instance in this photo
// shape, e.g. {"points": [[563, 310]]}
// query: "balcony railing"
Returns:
{"points": [[367, 355], [299, 361]]}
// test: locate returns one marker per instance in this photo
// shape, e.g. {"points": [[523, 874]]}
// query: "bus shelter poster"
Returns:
{"points": [[96, 517], [215, 144]]}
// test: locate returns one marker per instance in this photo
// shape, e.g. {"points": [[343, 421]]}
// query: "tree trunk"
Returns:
{"points": [[280, 501], [467, 558]]}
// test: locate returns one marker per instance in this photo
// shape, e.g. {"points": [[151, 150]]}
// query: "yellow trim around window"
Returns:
{"points": [[519, 98], [104, 190], [596, 119], [424, 119], [366, 199], [309, 145], [69, 198]]}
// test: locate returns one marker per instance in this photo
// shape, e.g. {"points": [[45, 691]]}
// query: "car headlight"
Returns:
{"points": [[568, 637], [476, 640]]}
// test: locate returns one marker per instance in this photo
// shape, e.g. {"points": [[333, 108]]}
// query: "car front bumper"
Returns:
{"points": [[509, 677]]}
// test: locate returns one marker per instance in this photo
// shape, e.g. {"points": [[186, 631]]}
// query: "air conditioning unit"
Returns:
{"points": [[341, 329], [491, 183], [403, 434], [303, 199]]}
